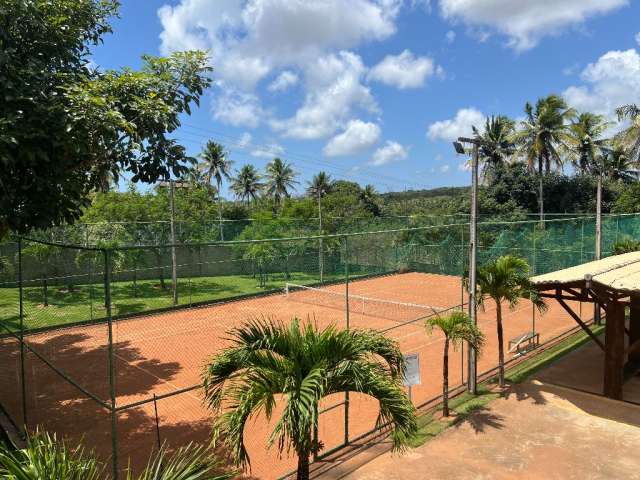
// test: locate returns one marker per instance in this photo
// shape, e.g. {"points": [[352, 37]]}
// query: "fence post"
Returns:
{"points": [[22, 376], [346, 316], [111, 364]]}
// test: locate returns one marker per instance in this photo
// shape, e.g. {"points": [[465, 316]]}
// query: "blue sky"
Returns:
{"points": [[374, 90]]}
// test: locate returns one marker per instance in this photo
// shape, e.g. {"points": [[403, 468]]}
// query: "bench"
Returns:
{"points": [[529, 341]]}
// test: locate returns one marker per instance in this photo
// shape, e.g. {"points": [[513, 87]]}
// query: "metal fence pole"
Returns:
{"points": [[111, 364], [22, 376], [346, 316]]}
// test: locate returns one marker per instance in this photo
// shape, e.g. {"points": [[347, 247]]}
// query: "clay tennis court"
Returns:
{"points": [[163, 353]]}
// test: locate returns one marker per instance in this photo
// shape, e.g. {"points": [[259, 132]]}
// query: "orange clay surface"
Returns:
{"points": [[161, 353]]}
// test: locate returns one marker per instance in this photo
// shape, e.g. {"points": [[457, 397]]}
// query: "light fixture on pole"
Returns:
{"points": [[472, 383]]}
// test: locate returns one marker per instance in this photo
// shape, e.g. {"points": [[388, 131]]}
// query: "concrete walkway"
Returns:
{"points": [[537, 431]]}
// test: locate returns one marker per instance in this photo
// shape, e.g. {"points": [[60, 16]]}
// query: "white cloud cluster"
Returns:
{"points": [[613, 80], [356, 137], [403, 70], [458, 126], [238, 108], [334, 92], [268, 151], [283, 82], [525, 22], [390, 152]]}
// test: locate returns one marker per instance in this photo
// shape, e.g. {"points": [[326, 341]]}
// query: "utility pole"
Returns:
{"points": [[174, 267], [598, 247], [472, 383]]}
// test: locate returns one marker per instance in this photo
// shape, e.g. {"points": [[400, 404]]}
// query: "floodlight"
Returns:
{"points": [[459, 148]]}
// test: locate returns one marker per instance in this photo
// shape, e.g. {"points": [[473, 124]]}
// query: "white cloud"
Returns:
{"points": [[444, 168], [334, 91], [450, 37], [403, 70], [249, 39], [356, 137], [283, 81], [238, 108], [459, 126], [637, 37], [245, 140], [525, 22], [613, 80], [268, 151], [390, 152]]}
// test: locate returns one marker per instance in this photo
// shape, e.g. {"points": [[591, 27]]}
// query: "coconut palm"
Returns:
{"points": [[319, 186], [629, 138], [369, 198], [46, 458], [216, 166], [505, 279], [457, 328], [617, 166], [247, 185], [280, 180], [298, 365], [496, 143], [585, 141], [541, 134]]}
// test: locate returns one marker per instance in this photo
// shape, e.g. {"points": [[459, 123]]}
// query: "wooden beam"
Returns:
{"points": [[614, 351], [581, 323], [634, 328]]}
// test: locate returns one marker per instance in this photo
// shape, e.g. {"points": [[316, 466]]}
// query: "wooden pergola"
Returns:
{"points": [[614, 284]]}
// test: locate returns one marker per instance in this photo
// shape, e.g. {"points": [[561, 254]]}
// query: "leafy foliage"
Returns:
{"points": [[66, 128], [298, 365]]}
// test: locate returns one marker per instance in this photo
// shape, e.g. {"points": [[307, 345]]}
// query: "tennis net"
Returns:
{"points": [[359, 304]]}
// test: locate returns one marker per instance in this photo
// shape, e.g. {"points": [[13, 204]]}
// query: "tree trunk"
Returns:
{"points": [[303, 466], [45, 291], [541, 193], [500, 344], [445, 379], [135, 281], [220, 214]]}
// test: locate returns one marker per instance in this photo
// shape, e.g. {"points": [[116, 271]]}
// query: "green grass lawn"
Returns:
{"points": [[86, 302]]}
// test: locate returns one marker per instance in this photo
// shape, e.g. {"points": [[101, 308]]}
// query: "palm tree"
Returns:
{"points": [[457, 328], [280, 179], [496, 143], [247, 185], [541, 133], [216, 166], [629, 138], [369, 198], [506, 279], [617, 166], [585, 141], [46, 458], [299, 365], [319, 186]]}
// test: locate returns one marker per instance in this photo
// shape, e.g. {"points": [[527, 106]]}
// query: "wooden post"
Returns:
{"points": [[634, 328], [614, 351]]}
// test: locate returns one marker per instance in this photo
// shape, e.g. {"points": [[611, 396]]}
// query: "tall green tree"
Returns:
{"points": [[247, 184], [496, 143], [66, 127], [299, 365], [216, 166], [280, 180], [585, 141], [617, 166], [456, 328], [320, 185], [505, 279], [370, 199], [540, 136], [629, 138]]}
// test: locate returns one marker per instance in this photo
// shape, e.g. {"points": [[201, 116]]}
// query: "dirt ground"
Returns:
{"points": [[537, 431]]}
